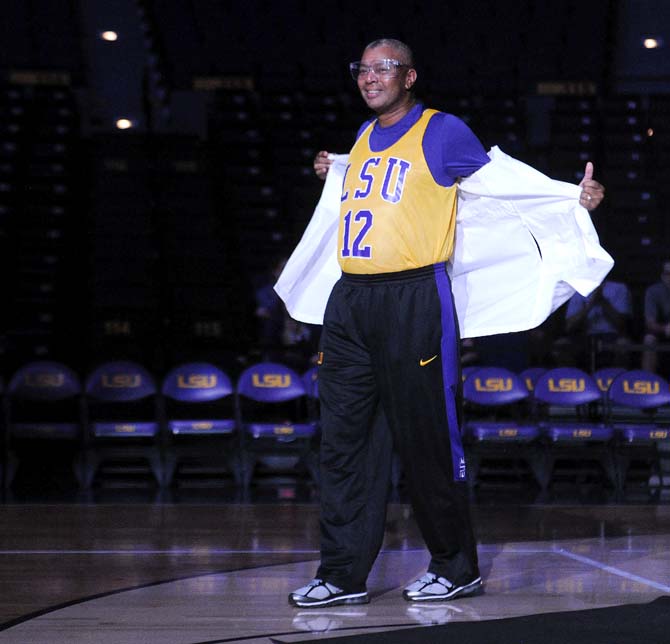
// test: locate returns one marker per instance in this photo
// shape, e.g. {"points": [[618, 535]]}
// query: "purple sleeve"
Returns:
{"points": [[451, 149]]}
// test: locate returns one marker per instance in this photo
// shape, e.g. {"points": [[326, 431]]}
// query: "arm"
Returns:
{"points": [[452, 150], [616, 317]]}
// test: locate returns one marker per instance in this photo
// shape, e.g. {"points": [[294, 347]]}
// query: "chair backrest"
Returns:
{"points": [[639, 389], [494, 386], [567, 387], [270, 382], [530, 376], [466, 371], [120, 381], [44, 381], [196, 382], [605, 376]]}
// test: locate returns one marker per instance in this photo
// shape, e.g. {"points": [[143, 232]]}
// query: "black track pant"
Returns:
{"points": [[390, 342]]}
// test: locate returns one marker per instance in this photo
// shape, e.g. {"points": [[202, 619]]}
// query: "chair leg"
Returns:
{"points": [[11, 465], [90, 461], [79, 467], [247, 464], [540, 467], [169, 468], [236, 464], [156, 465]]}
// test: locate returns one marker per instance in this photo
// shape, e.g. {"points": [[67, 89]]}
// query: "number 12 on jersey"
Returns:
{"points": [[356, 249]]}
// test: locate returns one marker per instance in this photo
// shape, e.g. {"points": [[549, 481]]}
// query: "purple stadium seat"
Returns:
{"points": [[530, 376], [41, 383], [199, 414], [569, 405], [638, 412], [498, 433], [122, 417], [42, 416], [605, 376], [273, 416]]}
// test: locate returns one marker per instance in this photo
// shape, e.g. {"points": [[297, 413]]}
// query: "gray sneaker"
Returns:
{"points": [[430, 587], [321, 593]]}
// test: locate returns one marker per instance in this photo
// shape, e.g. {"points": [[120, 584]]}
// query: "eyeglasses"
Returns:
{"points": [[386, 68]]}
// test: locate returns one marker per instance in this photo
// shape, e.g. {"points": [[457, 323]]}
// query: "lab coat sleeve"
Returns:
{"points": [[523, 246], [312, 269]]}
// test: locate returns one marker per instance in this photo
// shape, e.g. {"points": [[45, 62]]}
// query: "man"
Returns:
{"points": [[601, 317], [656, 317], [389, 341]]}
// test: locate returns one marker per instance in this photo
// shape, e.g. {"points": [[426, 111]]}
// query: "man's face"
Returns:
{"points": [[665, 274], [383, 94]]}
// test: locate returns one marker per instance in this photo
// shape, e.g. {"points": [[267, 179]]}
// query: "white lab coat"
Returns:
{"points": [[523, 246]]}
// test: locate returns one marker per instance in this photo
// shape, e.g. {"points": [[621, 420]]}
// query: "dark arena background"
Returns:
{"points": [[160, 426]]}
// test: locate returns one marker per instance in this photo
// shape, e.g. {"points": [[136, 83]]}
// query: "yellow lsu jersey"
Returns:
{"points": [[393, 215]]}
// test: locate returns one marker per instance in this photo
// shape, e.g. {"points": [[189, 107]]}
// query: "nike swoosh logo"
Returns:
{"points": [[423, 363]]}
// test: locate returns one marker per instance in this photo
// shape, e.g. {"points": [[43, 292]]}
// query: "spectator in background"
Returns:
{"points": [[603, 318], [656, 317]]}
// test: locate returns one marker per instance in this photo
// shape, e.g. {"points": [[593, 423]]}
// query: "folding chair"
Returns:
{"points": [[199, 416], [121, 417], [579, 441], [272, 412], [605, 376], [530, 376], [639, 413], [43, 418], [502, 443]]}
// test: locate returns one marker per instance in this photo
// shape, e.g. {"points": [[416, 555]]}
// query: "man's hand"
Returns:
{"points": [[322, 162], [592, 191]]}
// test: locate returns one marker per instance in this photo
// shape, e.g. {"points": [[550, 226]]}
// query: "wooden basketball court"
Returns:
{"points": [[216, 571]]}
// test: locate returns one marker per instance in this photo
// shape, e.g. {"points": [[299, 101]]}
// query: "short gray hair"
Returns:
{"points": [[403, 49]]}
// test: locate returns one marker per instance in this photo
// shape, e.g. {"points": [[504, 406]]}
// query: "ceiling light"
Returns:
{"points": [[652, 43]]}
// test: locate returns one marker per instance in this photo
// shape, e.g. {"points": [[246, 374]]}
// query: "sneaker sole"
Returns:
{"points": [[473, 588], [356, 598]]}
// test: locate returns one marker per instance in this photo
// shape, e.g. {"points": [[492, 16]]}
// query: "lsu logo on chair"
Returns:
{"points": [[196, 381], [641, 387], [567, 385], [271, 380], [121, 380], [493, 384], [44, 380]]}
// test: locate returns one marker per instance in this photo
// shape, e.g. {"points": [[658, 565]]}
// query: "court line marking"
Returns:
{"points": [[612, 569]]}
